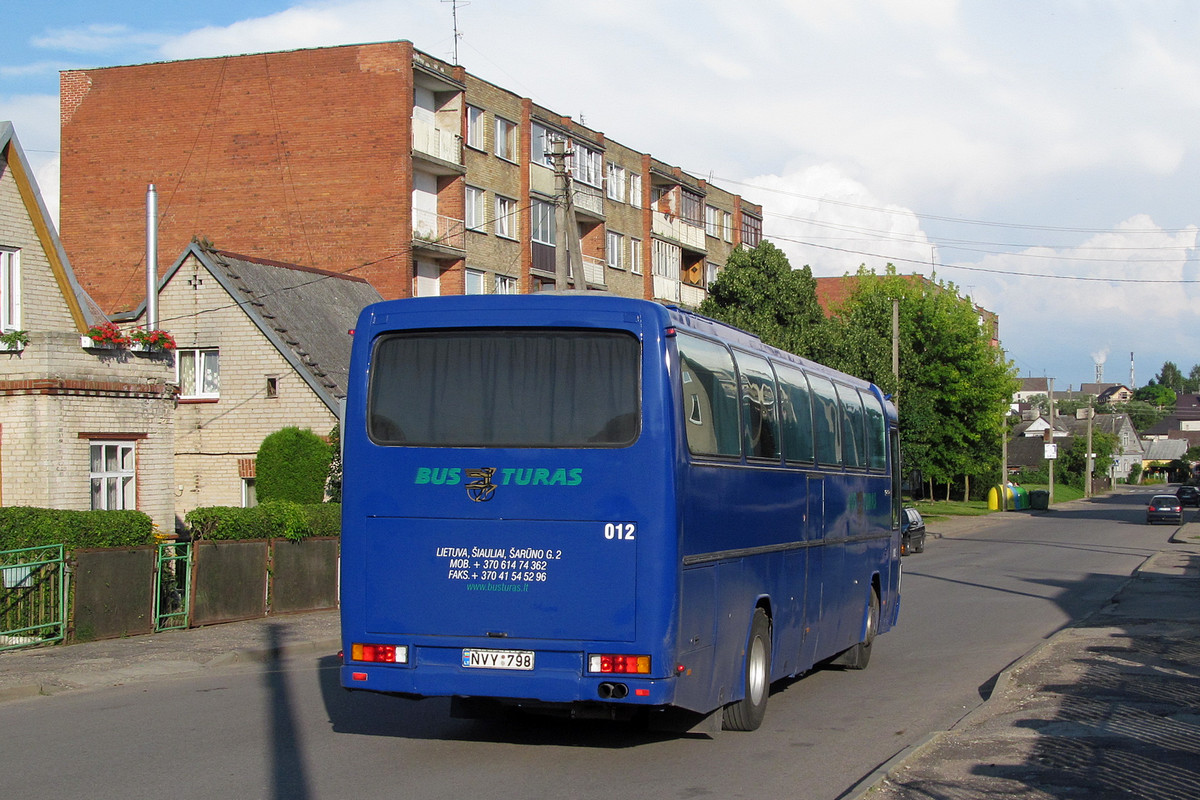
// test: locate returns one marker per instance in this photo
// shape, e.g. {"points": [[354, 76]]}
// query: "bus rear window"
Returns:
{"points": [[505, 388]]}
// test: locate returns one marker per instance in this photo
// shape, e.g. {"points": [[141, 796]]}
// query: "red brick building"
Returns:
{"points": [[374, 159]]}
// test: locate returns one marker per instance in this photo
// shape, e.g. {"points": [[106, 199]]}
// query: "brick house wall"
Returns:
{"points": [[57, 397], [214, 437]]}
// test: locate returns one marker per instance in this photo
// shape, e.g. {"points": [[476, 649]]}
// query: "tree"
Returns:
{"points": [[1156, 394], [333, 484], [758, 291], [1073, 460], [954, 385], [1170, 376], [1192, 384], [292, 464], [1142, 415]]}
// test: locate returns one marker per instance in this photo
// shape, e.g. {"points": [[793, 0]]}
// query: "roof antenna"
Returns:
{"points": [[454, 4]]}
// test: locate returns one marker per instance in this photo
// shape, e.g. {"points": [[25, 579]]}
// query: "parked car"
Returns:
{"points": [[912, 531], [1164, 508], [1189, 495]]}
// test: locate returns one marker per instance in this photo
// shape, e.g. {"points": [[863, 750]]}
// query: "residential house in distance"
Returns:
{"points": [[261, 345], [81, 426], [1107, 393], [379, 161]]}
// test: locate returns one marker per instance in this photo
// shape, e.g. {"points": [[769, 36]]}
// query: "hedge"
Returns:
{"points": [[276, 519], [24, 526]]}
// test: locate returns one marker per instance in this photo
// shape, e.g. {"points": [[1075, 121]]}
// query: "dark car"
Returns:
{"points": [[912, 531], [1164, 508], [1189, 495]]}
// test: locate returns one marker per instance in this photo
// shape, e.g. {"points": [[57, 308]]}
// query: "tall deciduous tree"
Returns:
{"points": [[954, 384], [1171, 377], [758, 291]]}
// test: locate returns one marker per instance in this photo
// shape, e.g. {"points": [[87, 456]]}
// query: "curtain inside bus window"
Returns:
{"points": [[876, 432], [759, 421], [506, 388], [826, 421], [854, 437], [795, 414], [710, 404]]}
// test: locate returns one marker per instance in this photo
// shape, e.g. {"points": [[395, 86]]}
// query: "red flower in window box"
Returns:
{"points": [[107, 334], [153, 340]]}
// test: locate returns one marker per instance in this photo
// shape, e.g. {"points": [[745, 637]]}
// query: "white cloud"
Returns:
{"points": [[97, 39]]}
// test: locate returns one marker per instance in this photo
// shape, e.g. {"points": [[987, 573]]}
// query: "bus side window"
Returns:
{"points": [[876, 432], [710, 404], [826, 425], [759, 421], [795, 414], [854, 442]]}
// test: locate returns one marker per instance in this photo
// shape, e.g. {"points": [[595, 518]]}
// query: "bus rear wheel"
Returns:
{"points": [[858, 656], [747, 714]]}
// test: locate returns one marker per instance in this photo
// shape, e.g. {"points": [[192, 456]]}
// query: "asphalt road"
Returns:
{"points": [[973, 602]]}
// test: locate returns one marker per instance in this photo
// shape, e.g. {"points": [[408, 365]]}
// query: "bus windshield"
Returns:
{"points": [[505, 388]]}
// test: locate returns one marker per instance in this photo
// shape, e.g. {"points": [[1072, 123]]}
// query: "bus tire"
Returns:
{"points": [[858, 656], [747, 714]]}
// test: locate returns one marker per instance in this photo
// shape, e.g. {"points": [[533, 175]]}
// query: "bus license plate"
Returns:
{"points": [[497, 659]]}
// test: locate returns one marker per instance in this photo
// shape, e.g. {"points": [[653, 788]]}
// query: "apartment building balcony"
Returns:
{"points": [[691, 296], [588, 200], [436, 146], [670, 226], [666, 288], [438, 234], [593, 271]]}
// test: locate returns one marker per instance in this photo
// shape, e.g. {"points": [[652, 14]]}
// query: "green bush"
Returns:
{"points": [[23, 526], [278, 519], [292, 464]]}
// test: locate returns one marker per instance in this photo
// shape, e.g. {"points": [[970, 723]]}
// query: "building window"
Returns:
{"points": [[615, 182], [711, 270], [667, 258], [474, 209], [272, 388], [542, 146], [114, 476], [506, 284], [506, 139], [199, 374], [506, 217], [587, 165], [635, 256], [613, 244], [635, 190], [249, 493], [543, 222], [474, 282], [692, 209], [476, 131], [10, 289], [712, 221], [751, 231], [727, 224]]}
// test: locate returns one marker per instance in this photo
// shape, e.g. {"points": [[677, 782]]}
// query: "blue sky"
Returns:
{"points": [[1041, 156]]}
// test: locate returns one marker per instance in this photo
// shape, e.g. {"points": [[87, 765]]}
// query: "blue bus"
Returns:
{"points": [[582, 503]]}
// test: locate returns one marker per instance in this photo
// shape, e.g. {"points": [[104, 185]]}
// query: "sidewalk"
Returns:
{"points": [[46, 670], [1107, 708]]}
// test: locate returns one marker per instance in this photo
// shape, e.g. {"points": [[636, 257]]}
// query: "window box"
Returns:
{"points": [[89, 343]]}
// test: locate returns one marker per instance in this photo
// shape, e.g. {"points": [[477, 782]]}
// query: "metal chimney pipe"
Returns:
{"points": [[151, 259]]}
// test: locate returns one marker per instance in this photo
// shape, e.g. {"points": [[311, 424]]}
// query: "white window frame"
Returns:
{"points": [[249, 493], [10, 289], [205, 381], [587, 165], [712, 221], [506, 217], [728, 224], [507, 284], [614, 243], [542, 227], [476, 129], [474, 282], [474, 210], [668, 259], [506, 139], [113, 484], [542, 145], [615, 182], [635, 256], [635, 190]]}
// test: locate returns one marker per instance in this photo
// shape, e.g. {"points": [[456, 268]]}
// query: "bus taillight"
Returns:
{"points": [[379, 653], [618, 664]]}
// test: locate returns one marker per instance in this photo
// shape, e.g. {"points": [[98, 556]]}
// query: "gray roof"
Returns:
{"points": [[306, 313], [1165, 449]]}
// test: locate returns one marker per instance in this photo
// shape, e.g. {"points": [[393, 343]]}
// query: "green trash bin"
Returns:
{"points": [[1039, 499]]}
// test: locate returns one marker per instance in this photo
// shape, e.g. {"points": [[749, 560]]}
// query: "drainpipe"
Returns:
{"points": [[151, 259]]}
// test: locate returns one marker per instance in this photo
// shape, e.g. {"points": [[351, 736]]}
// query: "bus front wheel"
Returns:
{"points": [[747, 714]]}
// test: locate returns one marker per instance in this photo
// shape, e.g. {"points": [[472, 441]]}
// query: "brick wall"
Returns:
{"points": [[310, 147]]}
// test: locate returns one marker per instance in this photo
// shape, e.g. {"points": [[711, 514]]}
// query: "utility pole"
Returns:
{"points": [[1050, 396], [1087, 482], [568, 258], [896, 349]]}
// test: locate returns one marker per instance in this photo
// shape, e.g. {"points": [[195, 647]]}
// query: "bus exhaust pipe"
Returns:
{"points": [[612, 691]]}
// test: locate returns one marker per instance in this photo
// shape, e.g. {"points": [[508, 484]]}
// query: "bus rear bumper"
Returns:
{"points": [[540, 686]]}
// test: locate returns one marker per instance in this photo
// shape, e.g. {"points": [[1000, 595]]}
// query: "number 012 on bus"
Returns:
{"points": [[608, 507]]}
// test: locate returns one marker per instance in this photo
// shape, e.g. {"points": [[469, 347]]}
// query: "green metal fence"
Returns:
{"points": [[173, 586], [33, 596]]}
